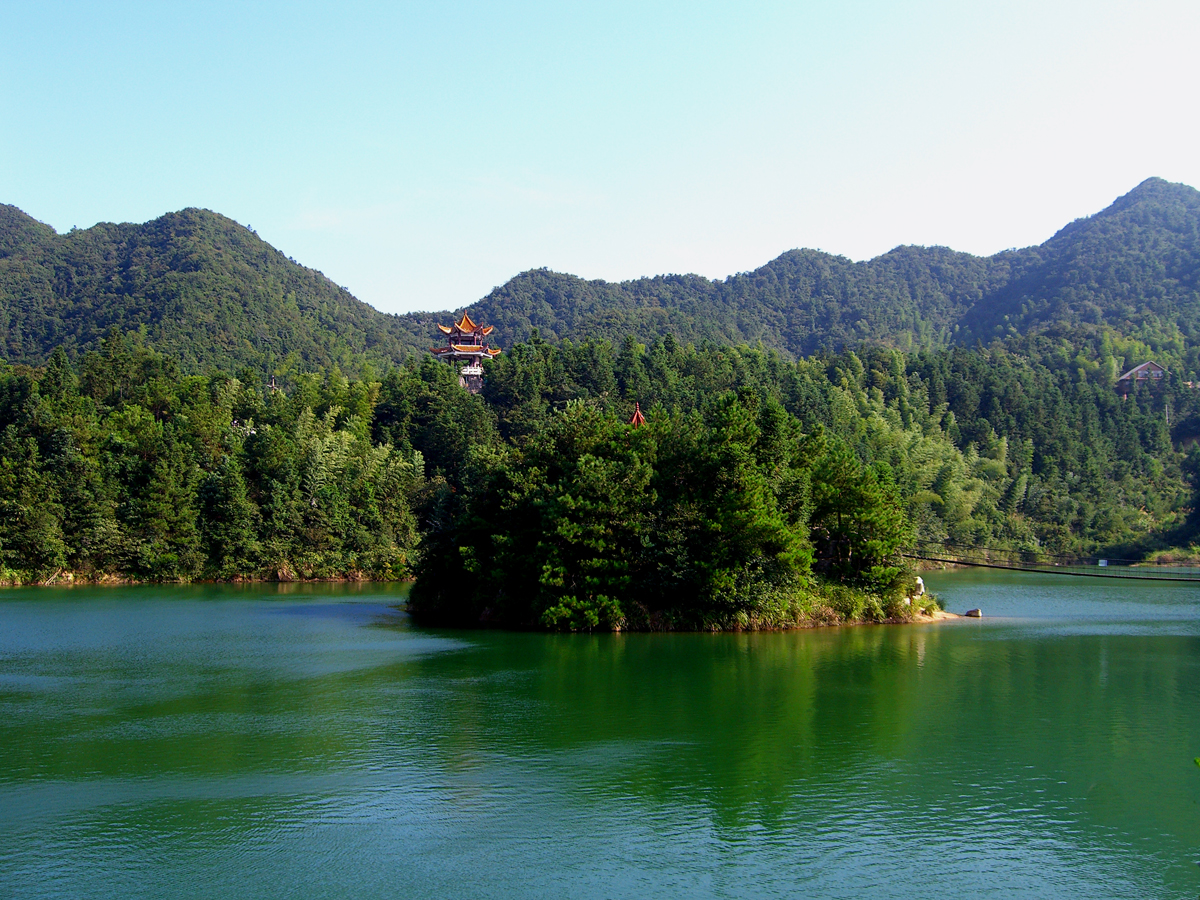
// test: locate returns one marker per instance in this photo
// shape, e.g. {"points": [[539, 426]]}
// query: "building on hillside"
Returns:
{"points": [[1147, 373], [465, 343]]}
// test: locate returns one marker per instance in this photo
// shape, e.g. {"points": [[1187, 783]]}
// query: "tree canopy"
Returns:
{"points": [[757, 489], [209, 292]]}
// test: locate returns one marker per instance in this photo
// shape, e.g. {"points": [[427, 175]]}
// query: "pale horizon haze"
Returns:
{"points": [[420, 154]]}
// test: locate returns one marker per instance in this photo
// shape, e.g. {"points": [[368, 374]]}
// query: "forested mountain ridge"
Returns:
{"points": [[211, 293], [1134, 266], [798, 303], [206, 290]]}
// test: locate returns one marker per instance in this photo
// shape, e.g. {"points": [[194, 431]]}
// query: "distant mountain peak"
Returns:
{"points": [[1155, 190], [18, 227]]}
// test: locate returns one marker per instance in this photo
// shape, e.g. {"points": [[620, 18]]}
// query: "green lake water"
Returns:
{"points": [[224, 741]]}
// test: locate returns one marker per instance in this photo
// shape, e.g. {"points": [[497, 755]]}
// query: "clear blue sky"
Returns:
{"points": [[422, 153]]}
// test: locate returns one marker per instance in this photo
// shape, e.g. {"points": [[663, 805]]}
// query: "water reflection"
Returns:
{"points": [[315, 743]]}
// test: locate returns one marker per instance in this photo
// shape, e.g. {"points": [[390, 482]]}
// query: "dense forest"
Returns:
{"points": [[1134, 267], [180, 401], [760, 491], [209, 292], [201, 288], [123, 467]]}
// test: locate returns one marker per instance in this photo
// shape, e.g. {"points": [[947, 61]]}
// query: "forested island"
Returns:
{"points": [[182, 402]]}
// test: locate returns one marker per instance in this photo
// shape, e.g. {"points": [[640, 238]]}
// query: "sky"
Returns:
{"points": [[420, 154]]}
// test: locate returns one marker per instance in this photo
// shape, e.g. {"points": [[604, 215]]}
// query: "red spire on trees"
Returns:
{"points": [[638, 419]]}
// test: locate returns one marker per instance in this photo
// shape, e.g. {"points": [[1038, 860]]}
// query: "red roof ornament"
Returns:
{"points": [[638, 419]]}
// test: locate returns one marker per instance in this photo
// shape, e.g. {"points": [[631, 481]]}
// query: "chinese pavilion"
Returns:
{"points": [[465, 343]]}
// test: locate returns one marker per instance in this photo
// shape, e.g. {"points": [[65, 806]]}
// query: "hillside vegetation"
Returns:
{"points": [[806, 423], [759, 492], [203, 289], [1134, 267], [209, 292]]}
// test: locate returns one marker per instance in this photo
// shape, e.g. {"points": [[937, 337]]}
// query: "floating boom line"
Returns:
{"points": [[1033, 561]]}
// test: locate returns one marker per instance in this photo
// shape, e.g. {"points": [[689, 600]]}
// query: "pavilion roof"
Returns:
{"points": [[466, 326], [1148, 366]]}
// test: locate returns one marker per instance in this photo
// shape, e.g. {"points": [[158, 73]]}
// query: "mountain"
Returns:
{"points": [[800, 302], [1134, 266], [206, 290], [210, 292]]}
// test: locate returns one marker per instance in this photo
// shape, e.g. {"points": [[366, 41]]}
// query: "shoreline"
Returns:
{"points": [[72, 579], [76, 580]]}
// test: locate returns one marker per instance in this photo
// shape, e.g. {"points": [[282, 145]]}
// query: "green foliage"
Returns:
{"points": [[592, 523], [761, 467], [126, 468], [200, 287], [858, 521], [209, 292], [1131, 267], [423, 409], [543, 508], [229, 521]]}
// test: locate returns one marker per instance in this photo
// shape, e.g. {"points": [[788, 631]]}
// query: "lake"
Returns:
{"points": [[310, 741]]}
